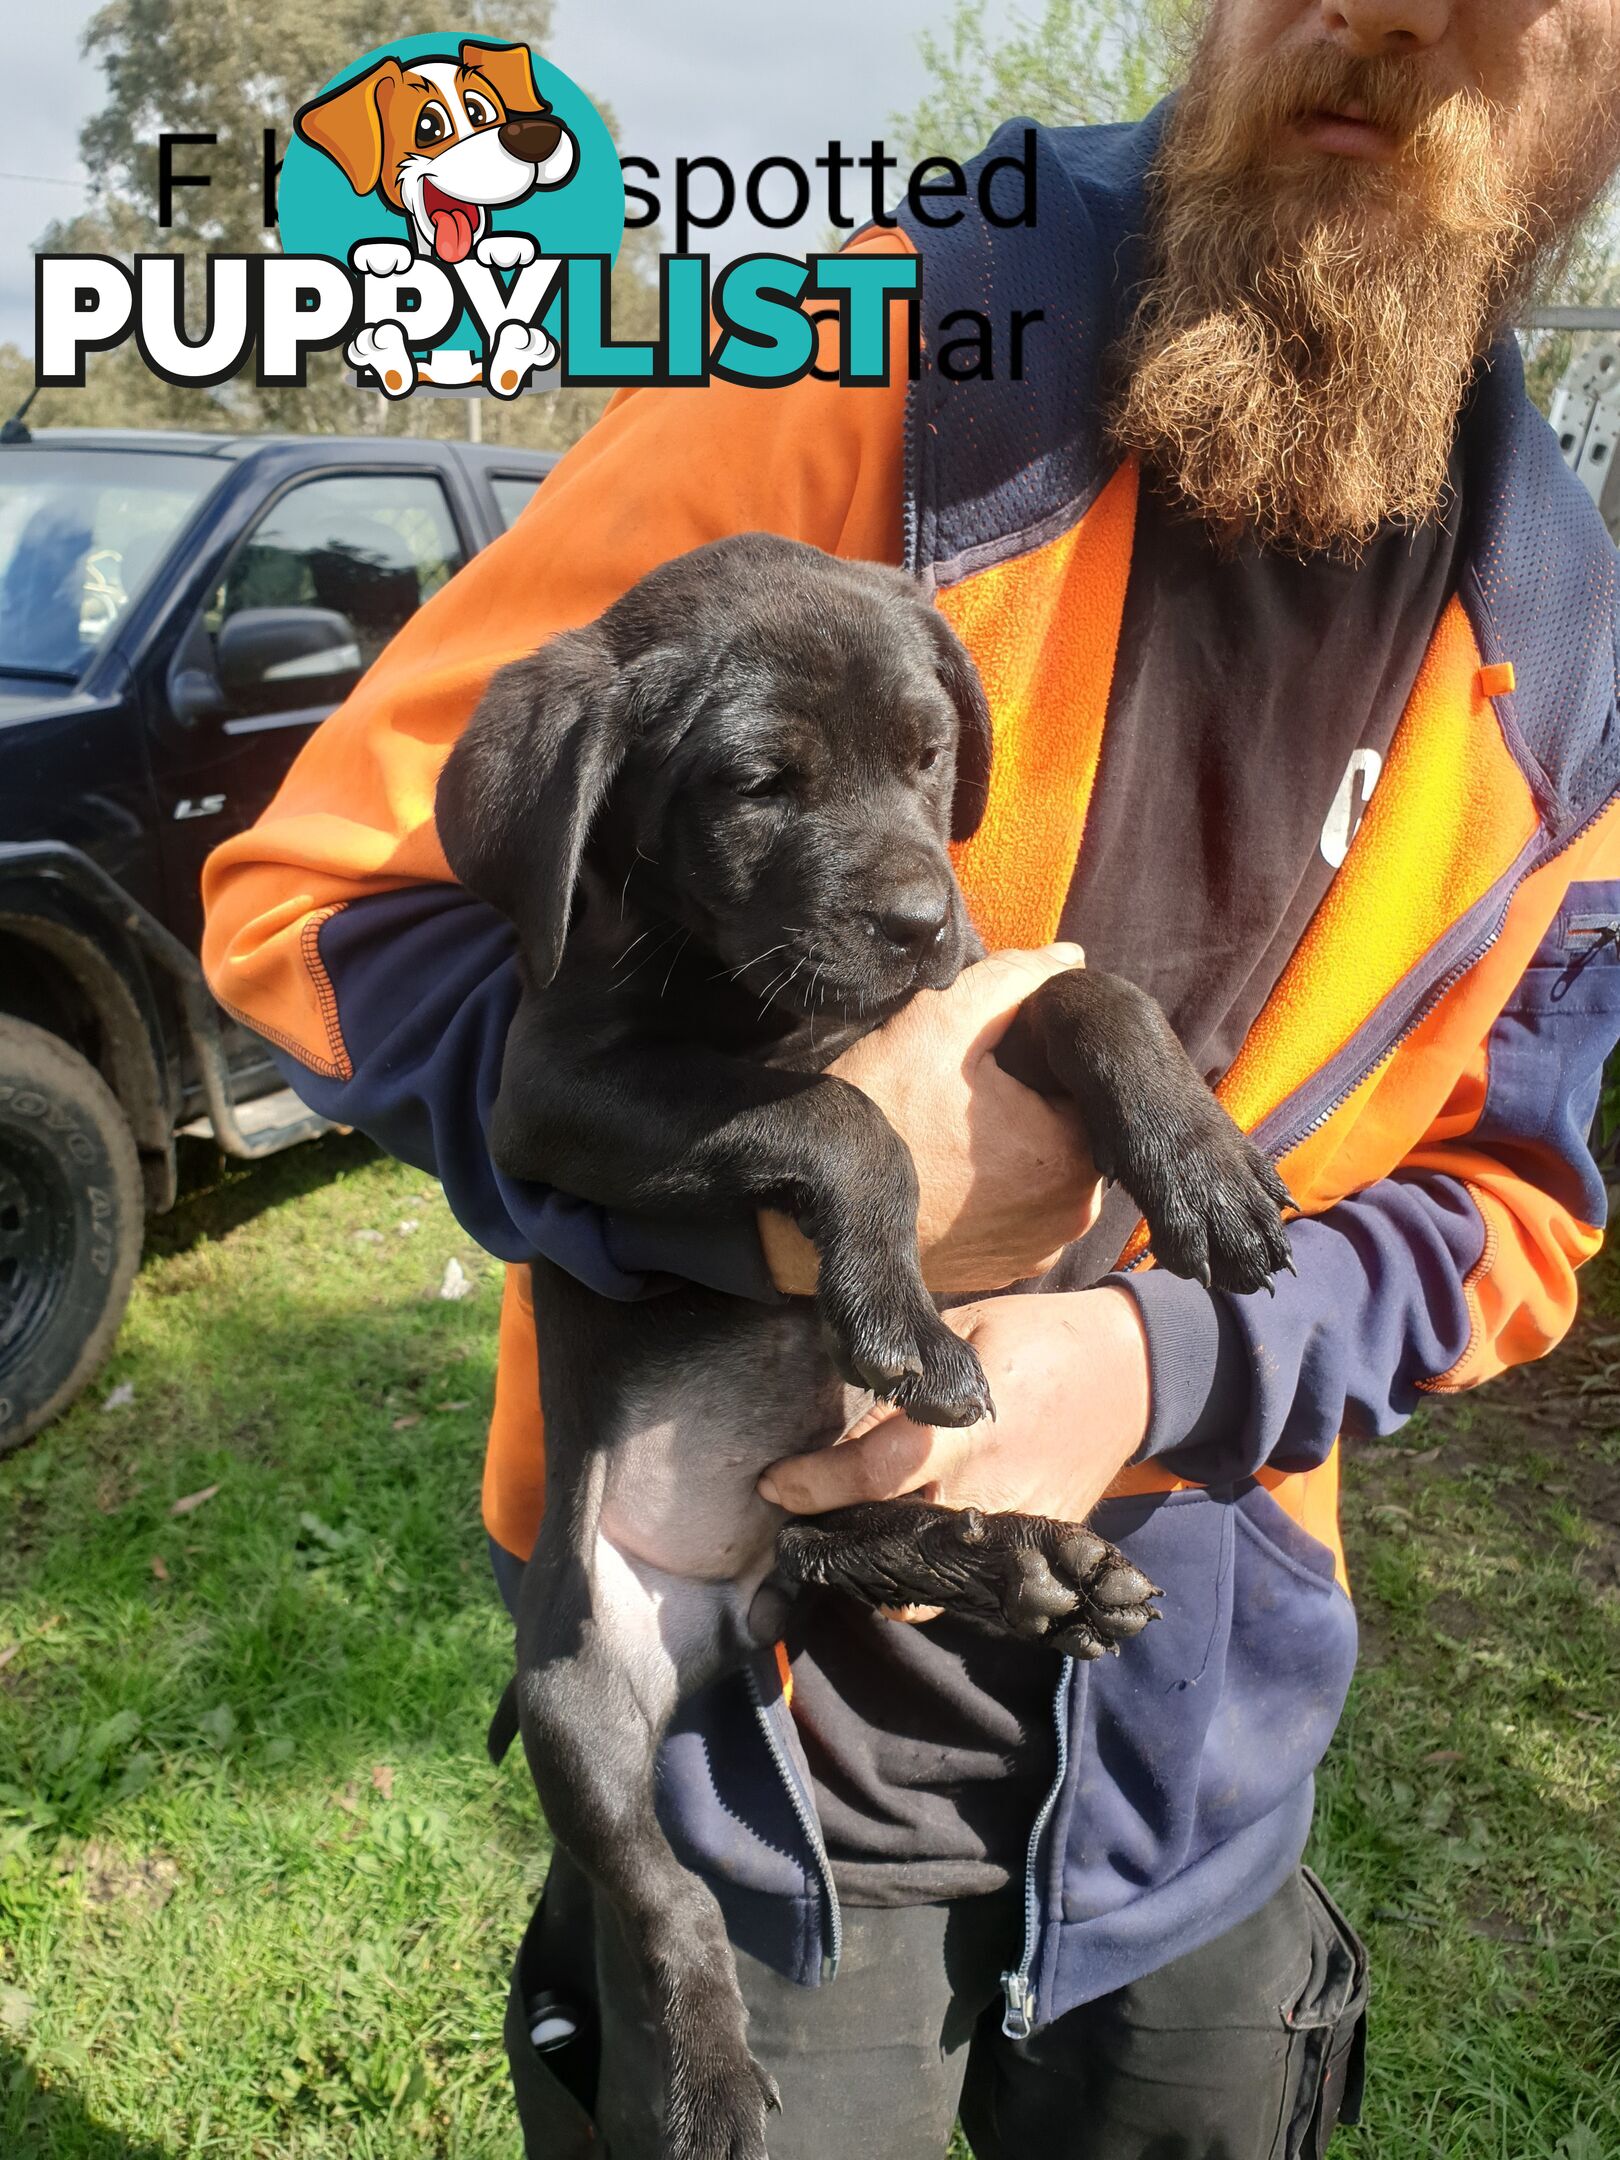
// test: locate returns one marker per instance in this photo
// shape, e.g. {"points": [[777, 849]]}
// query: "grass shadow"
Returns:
{"points": [[50, 2122], [219, 1193]]}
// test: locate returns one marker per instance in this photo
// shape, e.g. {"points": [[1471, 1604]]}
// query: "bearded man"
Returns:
{"points": [[1300, 646]]}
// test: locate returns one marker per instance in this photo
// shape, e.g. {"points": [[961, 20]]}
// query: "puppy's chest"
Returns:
{"points": [[690, 1435]]}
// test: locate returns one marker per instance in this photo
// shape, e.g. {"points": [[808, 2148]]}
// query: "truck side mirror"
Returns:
{"points": [[271, 659]]}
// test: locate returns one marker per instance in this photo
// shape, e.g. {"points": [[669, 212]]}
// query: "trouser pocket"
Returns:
{"points": [[554, 2081], [1329, 2022]]}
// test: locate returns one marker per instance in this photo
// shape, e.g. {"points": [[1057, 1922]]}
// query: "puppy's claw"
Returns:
{"points": [[1123, 1585]]}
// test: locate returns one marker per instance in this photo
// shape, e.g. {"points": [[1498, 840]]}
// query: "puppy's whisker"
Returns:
{"points": [[816, 993], [630, 948], [782, 985], [663, 945], [731, 974], [680, 948]]}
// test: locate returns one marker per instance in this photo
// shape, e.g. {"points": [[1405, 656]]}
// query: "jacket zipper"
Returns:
{"points": [[1414, 1020], [806, 1816], [1275, 1150], [910, 509], [1017, 1985], [1447, 982]]}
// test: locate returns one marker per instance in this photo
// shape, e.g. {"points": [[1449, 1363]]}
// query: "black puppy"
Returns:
{"points": [[718, 817]]}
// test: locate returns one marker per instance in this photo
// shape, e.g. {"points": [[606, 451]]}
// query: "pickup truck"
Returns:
{"points": [[176, 613]]}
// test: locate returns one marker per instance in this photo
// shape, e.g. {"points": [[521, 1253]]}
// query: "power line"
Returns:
{"points": [[36, 179]]}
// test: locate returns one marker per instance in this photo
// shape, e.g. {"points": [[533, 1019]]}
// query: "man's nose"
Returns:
{"points": [[530, 136], [1371, 28]]}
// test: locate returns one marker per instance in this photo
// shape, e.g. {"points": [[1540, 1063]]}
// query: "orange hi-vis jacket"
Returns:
{"points": [[1425, 1070]]}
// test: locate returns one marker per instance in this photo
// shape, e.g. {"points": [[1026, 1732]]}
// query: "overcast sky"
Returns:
{"points": [[736, 79]]}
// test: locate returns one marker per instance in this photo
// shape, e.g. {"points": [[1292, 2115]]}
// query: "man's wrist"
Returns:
{"points": [[1127, 1360], [1200, 1385]]}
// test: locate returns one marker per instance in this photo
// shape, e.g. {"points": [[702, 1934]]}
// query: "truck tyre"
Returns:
{"points": [[72, 1214]]}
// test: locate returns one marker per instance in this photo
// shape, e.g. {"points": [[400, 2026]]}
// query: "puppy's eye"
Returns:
{"points": [[928, 757], [760, 787], [432, 126], [479, 110]]}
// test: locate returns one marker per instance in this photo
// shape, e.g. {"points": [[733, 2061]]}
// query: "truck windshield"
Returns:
{"points": [[81, 532]]}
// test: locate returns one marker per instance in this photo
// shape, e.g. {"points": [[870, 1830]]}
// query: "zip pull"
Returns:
{"points": [[1019, 1990]]}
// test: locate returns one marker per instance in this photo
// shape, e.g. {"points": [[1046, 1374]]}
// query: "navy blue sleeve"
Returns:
{"points": [[426, 982], [1379, 1304], [1377, 1307]]}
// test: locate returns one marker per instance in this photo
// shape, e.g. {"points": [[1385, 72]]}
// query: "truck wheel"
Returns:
{"points": [[71, 1217]]}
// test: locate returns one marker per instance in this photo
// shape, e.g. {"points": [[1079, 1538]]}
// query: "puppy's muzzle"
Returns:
{"points": [[530, 136]]}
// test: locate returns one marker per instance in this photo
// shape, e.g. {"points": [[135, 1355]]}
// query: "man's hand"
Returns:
{"points": [[1005, 1176], [1069, 1376]]}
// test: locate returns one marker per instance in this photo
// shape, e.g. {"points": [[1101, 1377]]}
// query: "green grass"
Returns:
{"points": [[259, 1886]]}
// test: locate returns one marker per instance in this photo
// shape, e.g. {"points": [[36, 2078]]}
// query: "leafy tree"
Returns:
{"points": [[197, 67], [1075, 63]]}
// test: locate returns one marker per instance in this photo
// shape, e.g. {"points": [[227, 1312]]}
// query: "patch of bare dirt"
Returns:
{"points": [[138, 1882]]}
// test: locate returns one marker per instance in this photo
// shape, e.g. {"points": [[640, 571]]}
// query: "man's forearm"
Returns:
{"points": [[1377, 1307]]}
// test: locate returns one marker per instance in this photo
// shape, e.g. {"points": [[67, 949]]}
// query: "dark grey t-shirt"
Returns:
{"points": [[1253, 703]]}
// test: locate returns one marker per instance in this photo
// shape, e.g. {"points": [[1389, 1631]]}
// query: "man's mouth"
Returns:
{"points": [[454, 222], [1345, 131]]}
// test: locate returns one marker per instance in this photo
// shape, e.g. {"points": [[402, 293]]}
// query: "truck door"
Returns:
{"points": [[332, 567]]}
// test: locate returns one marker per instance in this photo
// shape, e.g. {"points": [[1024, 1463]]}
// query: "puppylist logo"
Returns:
{"points": [[449, 211]]}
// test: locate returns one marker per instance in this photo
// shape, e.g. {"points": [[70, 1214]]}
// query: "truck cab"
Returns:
{"points": [[177, 612]]}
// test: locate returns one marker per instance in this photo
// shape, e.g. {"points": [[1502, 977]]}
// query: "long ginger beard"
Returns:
{"points": [[1298, 358]]}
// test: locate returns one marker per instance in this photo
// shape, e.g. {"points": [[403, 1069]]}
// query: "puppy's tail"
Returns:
{"points": [[504, 1724]]}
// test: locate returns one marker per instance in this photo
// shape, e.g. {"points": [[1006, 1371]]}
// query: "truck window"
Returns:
{"points": [[513, 493], [373, 547], [81, 532]]}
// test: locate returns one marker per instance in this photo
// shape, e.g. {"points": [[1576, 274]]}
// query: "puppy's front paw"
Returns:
{"points": [[381, 258], [1216, 1215], [1068, 1587], [718, 2102], [506, 250], [913, 1360]]}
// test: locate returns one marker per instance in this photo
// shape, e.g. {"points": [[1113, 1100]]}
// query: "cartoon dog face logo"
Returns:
{"points": [[444, 141]]}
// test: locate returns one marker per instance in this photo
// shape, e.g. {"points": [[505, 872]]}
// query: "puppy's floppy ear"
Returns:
{"points": [[347, 123], [509, 69], [954, 665], [520, 790]]}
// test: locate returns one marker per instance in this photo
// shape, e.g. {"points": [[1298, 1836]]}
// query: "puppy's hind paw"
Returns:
{"points": [[517, 350], [1039, 1581], [384, 353], [951, 1388]]}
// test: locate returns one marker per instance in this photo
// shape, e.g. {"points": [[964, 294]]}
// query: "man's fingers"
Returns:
{"points": [[992, 991], [887, 1461]]}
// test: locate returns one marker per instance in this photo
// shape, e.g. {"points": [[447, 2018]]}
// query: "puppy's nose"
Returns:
{"points": [[913, 917], [530, 136]]}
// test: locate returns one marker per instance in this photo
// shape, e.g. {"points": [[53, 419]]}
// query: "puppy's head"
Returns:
{"points": [[442, 141], [775, 745]]}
